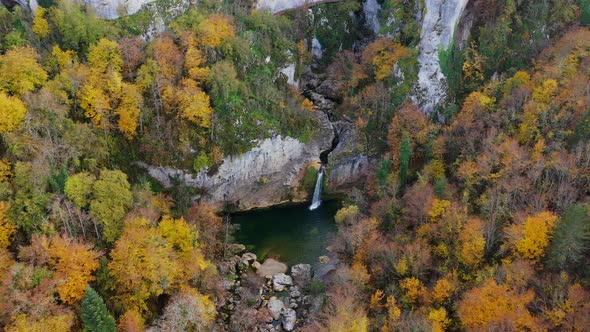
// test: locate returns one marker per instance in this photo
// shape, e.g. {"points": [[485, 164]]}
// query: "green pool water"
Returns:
{"points": [[290, 234]]}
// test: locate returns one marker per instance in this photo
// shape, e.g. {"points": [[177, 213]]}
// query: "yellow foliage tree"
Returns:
{"points": [[63, 59], [472, 243], [128, 111], [12, 112], [376, 299], [473, 66], [440, 319], [382, 54], [143, 265], [534, 235], [61, 322], [193, 63], [20, 70], [40, 24], [178, 233], [307, 105], [443, 289], [5, 171], [194, 104], [74, 262], [215, 30], [477, 101], [545, 92], [393, 311], [496, 307], [413, 288], [103, 84], [439, 206], [7, 227]]}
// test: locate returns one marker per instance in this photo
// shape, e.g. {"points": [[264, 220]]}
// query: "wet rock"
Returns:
{"points": [[324, 259], [271, 267], [236, 248], [302, 274], [307, 299], [295, 294], [250, 257], [289, 319], [322, 103], [256, 265], [293, 305], [280, 281], [275, 307], [331, 89]]}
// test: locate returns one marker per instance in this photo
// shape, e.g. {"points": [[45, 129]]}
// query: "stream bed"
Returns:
{"points": [[290, 234]]}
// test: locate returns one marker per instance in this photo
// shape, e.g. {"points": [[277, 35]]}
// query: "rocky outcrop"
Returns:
{"points": [[438, 27], [267, 175], [371, 9], [348, 164], [272, 303], [111, 9], [279, 6]]}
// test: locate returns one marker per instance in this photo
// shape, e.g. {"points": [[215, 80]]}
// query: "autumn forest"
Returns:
{"points": [[471, 213]]}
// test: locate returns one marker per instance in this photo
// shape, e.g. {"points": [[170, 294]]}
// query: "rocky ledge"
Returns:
{"points": [[264, 297]]}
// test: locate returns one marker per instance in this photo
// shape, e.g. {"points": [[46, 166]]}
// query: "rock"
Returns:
{"points": [[256, 265], [293, 305], [295, 294], [321, 102], [236, 248], [250, 257], [289, 319], [280, 281], [331, 89], [302, 274], [307, 299], [438, 28], [271, 267], [275, 306], [324, 259], [281, 161]]}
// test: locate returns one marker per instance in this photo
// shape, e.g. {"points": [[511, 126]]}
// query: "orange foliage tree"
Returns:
{"points": [[74, 262], [496, 307]]}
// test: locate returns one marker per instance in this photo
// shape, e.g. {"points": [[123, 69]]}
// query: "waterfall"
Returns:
{"points": [[316, 202]]}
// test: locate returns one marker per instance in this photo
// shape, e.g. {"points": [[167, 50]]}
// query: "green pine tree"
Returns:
{"points": [[95, 316], [405, 154], [571, 240]]}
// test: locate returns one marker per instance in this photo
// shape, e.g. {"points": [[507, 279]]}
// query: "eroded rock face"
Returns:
{"points": [[280, 281], [261, 177], [277, 6], [440, 21], [275, 306], [302, 274], [111, 9]]}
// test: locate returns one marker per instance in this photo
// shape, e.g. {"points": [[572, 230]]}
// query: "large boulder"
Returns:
{"points": [[271, 267], [281, 281], [289, 319], [302, 274], [276, 307]]}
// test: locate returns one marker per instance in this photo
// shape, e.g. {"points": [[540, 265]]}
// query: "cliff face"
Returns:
{"points": [[438, 27], [267, 175], [111, 9]]}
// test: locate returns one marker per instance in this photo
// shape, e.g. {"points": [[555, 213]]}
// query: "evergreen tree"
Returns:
{"points": [[405, 154], [572, 238], [95, 316]]}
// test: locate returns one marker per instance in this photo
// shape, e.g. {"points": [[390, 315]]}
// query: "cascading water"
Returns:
{"points": [[316, 201]]}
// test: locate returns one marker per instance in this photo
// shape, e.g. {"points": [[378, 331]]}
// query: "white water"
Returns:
{"points": [[316, 201]]}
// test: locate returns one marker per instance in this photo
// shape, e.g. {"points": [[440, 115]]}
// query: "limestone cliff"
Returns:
{"points": [[268, 174], [438, 27]]}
